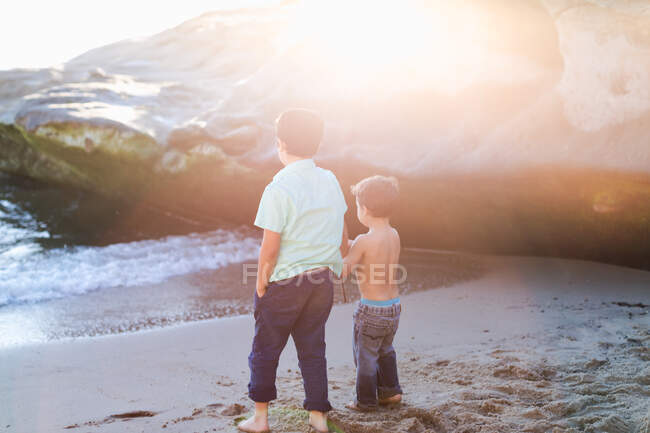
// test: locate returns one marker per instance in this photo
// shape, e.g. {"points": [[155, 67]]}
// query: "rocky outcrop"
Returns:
{"points": [[514, 127]]}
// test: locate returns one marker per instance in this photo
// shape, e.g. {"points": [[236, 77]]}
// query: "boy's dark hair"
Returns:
{"points": [[301, 130], [378, 194]]}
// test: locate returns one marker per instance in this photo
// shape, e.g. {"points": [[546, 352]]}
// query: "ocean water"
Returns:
{"points": [[61, 245], [30, 274]]}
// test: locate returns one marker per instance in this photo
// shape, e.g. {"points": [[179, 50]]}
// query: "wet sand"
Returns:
{"points": [[192, 297], [532, 345]]}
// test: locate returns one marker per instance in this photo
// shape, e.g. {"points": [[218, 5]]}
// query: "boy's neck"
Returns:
{"points": [[288, 159], [375, 223]]}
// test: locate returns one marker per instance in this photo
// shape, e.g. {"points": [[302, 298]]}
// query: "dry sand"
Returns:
{"points": [[534, 345]]}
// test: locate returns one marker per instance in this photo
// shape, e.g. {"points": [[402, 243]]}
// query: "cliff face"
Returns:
{"points": [[513, 127]]}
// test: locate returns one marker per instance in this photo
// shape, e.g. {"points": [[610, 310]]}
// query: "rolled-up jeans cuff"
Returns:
{"points": [[366, 407], [321, 406], [262, 396], [384, 393]]}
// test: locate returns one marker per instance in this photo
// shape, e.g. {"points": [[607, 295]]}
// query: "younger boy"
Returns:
{"points": [[374, 257]]}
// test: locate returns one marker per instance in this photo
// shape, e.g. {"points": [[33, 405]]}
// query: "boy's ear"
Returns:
{"points": [[282, 145]]}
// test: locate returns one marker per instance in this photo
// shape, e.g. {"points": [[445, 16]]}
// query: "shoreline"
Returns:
{"points": [[193, 297], [534, 345]]}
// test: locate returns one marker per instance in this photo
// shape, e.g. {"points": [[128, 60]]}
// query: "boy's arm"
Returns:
{"points": [[271, 216], [354, 256], [267, 258], [345, 242]]}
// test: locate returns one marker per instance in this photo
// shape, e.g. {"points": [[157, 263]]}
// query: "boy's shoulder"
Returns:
{"points": [[280, 185], [276, 195], [374, 239], [362, 240], [326, 172]]}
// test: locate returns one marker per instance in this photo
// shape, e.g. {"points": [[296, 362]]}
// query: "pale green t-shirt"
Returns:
{"points": [[305, 204]]}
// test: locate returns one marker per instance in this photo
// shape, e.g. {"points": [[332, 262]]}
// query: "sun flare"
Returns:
{"points": [[368, 35], [408, 42]]}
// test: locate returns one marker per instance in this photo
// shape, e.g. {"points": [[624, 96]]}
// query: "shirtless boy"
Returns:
{"points": [[374, 258]]}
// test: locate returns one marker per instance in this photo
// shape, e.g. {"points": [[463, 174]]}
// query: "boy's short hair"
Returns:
{"points": [[378, 194], [301, 130]]}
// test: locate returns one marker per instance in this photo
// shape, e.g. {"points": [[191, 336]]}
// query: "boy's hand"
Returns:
{"points": [[345, 272], [261, 290]]}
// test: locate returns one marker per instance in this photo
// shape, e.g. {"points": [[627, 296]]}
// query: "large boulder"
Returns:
{"points": [[514, 127]]}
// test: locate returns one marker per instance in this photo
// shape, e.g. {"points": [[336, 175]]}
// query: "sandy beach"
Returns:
{"points": [[533, 345], [145, 149]]}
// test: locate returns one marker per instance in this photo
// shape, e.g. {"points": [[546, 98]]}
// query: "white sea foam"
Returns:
{"points": [[77, 270], [18, 233]]}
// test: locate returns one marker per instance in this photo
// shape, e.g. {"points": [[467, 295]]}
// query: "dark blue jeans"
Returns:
{"points": [[374, 355], [299, 307]]}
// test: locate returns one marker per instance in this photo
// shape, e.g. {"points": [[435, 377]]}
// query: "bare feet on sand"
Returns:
{"points": [[395, 399], [254, 425], [354, 405], [318, 420], [259, 422]]}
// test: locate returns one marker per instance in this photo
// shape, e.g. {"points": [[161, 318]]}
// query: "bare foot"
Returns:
{"points": [[354, 405], [395, 399], [318, 420], [255, 424]]}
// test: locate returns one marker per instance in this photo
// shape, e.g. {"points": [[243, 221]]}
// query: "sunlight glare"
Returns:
{"points": [[407, 42]]}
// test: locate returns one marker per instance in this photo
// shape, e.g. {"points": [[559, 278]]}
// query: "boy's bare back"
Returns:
{"points": [[377, 266], [374, 256]]}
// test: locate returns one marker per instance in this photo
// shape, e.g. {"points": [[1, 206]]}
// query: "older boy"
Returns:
{"points": [[374, 257], [301, 212]]}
